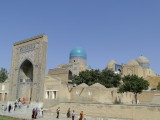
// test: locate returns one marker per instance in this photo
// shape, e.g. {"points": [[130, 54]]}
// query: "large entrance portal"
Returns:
{"points": [[25, 81], [28, 70]]}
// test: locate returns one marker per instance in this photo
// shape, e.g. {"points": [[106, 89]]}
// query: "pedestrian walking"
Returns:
{"points": [[85, 117], [42, 111], [73, 115], [19, 103], [39, 114], [36, 112], [57, 111], [3, 108], [15, 106], [81, 116], [33, 113], [9, 108], [23, 101], [68, 113]]}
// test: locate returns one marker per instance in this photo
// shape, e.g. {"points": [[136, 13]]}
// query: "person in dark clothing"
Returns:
{"points": [[15, 106], [9, 108], [57, 111], [33, 113], [68, 113]]}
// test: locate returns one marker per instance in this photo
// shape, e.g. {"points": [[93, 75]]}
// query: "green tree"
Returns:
{"points": [[3, 74], [105, 77], [109, 78], [88, 76], [134, 84]]}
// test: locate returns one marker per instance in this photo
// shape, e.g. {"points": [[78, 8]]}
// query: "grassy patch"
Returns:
{"points": [[8, 118]]}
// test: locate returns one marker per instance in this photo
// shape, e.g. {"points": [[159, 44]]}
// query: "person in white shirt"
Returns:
{"points": [[73, 115]]}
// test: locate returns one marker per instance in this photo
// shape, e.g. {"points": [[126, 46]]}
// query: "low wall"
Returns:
{"points": [[146, 97], [100, 95], [131, 112]]}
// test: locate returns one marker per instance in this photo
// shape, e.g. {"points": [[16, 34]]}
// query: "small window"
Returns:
{"points": [[5, 96], [51, 94], [47, 95], [3, 87], [74, 61], [55, 95]]}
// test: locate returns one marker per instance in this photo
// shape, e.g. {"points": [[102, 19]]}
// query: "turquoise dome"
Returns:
{"points": [[78, 52], [89, 67]]}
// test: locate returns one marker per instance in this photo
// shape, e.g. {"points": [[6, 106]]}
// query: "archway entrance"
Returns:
{"points": [[70, 75], [25, 81]]}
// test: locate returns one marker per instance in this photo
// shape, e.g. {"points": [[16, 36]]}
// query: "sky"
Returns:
{"points": [[120, 30]]}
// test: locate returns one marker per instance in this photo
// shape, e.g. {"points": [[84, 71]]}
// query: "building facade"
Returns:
{"points": [[28, 68], [139, 67], [28, 79]]}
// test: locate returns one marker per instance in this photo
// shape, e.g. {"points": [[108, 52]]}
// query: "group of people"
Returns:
{"points": [[37, 113], [9, 108], [71, 115], [12, 107], [18, 103]]}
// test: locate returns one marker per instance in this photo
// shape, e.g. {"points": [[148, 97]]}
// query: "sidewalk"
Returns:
{"points": [[25, 113]]}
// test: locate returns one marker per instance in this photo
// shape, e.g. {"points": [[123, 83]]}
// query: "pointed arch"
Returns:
{"points": [[25, 60], [70, 75], [26, 71]]}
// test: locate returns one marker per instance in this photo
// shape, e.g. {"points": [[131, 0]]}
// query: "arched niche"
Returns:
{"points": [[26, 71], [70, 75]]}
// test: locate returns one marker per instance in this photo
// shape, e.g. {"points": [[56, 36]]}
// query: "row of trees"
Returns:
{"points": [[106, 77]]}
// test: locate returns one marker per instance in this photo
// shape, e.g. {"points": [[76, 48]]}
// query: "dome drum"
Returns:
{"points": [[145, 65]]}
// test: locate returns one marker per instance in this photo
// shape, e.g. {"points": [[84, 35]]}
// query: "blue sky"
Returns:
{"points": [[120, 30]]}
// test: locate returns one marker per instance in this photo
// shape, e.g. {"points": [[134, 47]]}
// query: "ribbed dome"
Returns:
{"points": [[111, 63], [133, 62], [78, 52], [142, 60]]}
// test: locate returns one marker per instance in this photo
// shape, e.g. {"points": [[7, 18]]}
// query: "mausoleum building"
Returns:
{"points": [[28, 78]]}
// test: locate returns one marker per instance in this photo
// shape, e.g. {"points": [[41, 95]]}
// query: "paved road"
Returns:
{"points": [[27, 116], [26, 113]]}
